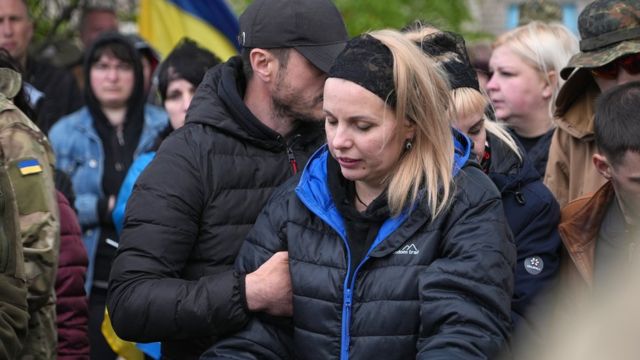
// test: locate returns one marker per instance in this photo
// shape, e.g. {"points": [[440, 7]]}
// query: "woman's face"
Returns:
{"points": [[472, 125], [363, 133], [179, 95], [516, 89], [112, 81]]}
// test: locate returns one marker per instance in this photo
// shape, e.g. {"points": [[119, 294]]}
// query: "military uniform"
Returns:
{"points": [[27, 172]]}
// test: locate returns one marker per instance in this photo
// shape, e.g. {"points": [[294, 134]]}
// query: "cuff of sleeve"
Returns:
{"points": [[243, 292]]}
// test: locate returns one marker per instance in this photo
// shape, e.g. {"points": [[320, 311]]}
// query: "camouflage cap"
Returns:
{"points": [[609, 29]]}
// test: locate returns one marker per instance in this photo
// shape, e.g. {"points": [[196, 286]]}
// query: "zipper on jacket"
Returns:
{"points": [[120, 135], [346, 319], [292, 160], [290, 154], [350, 284]]}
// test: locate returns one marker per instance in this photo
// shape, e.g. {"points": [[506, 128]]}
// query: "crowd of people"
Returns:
{"points": [[384, 196]]}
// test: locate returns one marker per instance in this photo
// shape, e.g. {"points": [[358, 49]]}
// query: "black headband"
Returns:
{"points": [[369, 63], [449, 50]]}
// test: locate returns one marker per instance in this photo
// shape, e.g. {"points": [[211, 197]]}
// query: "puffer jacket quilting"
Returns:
{"points": [[409, 298]]}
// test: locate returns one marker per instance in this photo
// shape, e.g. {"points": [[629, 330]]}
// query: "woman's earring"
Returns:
{"points": [[408, 145]]}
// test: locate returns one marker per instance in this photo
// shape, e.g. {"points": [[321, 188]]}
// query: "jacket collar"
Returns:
{"points": [[579, 226], [313, 191]]}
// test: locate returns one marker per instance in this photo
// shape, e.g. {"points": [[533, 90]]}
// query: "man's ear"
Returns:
{"points": [[602, 165], [263, 64]]}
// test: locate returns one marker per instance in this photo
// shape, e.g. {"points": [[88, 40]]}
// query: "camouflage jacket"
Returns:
{"points": [[27, 161]]}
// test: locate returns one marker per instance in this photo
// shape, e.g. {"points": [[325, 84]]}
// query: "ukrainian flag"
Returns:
{"points": [[29, 166], [210, 23]]}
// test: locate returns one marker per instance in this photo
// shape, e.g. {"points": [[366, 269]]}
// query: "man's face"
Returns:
{"points": [[625, 177], [95, 23], [620, 71], [297, 91], [16, 28]]}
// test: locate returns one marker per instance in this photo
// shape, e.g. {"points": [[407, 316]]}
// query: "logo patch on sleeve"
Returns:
{"points": [[29, 166], [534, 265]]}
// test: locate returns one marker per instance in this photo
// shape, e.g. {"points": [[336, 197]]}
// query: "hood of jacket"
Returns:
{"points": [[136, 102], [219, 102], [507, 171]]}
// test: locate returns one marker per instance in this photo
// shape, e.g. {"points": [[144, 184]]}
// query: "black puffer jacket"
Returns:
{"points": [[427, 289], [172, 279]]}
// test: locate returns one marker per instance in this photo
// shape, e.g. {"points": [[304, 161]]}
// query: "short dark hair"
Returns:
{"points": [[88, 9], [118, 50], [617, 123], [186, 61], [282, 54]]}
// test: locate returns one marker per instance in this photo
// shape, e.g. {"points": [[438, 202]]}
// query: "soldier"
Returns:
{"points": [[13, 293], [27, 172]]}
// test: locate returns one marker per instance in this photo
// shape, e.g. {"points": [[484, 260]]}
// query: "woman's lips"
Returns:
{"points": [[348, 162]]}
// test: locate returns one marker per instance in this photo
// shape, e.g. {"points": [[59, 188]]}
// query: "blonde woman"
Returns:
{"points": [[532, 212], [525, 79], [397, 249]]}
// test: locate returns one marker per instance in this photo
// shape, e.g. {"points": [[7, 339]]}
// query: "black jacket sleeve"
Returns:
{"points": [[148, 299], [265, 337], [466, 293]]}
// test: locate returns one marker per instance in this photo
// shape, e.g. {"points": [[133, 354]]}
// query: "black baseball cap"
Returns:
{"points": [[313, 27]]}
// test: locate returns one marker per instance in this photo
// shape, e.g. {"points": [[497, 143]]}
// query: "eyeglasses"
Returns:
{"points": [[630, 63]]}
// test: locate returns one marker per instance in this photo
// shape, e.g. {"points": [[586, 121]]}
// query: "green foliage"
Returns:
{"points": [[364, 15], [51, 19]]}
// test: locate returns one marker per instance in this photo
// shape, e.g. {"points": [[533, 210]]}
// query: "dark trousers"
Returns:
{"points": [[100, 350]]}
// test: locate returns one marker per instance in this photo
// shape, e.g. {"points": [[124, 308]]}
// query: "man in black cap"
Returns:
{"points": [[253, 123]]}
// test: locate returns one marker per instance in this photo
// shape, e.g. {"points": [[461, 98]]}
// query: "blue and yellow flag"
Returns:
{"points": [[29, 166], [210, 23]]}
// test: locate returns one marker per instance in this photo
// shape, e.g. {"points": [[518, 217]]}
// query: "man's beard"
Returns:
{"points": [[283, 105], [284, 110]]}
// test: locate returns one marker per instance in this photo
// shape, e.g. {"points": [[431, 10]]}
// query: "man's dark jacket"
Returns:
{"points": [[172, 278], [61, 93]]}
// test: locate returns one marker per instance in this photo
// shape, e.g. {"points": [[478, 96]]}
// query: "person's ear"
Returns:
{"points": [[551, 82], [602, 165], [410, 129], [263, 64]]}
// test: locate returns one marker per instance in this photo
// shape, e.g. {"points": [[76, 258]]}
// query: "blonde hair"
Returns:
{"points": [[467, 101], [545, 47], [422, 97]]}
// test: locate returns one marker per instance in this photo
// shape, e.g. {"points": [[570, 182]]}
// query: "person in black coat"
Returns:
{"points": [[397, 242], [253, 122], [531, 210]]}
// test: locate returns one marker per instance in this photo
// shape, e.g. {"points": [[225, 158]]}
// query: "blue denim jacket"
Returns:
{"points": [[79, 153]]}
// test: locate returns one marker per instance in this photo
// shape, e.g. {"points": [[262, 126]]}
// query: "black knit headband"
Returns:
{"points": [[449, 50], [369, 63]]}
